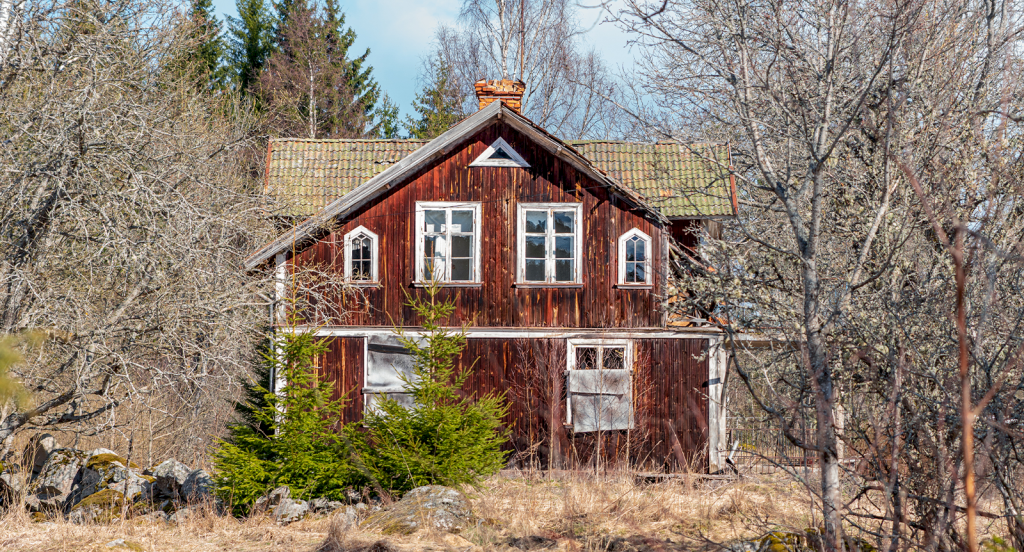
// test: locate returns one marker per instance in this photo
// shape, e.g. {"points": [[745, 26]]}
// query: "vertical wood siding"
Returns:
{"points": [[669, 392], [598, 304]]}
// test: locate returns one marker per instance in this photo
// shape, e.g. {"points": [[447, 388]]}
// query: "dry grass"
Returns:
{"points": [[576, 511], [588, 512]]}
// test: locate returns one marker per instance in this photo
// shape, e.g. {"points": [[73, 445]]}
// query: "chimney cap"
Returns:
{"points": [[509, 92]]}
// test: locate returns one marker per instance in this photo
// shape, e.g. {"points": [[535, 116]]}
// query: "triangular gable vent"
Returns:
{"points": [[500, 154]]}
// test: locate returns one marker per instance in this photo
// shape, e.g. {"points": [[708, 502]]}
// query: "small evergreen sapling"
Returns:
{"points": [[294, 438], [446, 438]]}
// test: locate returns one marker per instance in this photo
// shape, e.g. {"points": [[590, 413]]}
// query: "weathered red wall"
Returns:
{"points": [[669, 386], [598, 304]]}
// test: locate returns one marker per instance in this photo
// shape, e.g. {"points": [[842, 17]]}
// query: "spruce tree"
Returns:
{"points": [[250, 42], [385, 119], [358, 75], [209, 48], [310, 84], [447, 437], [293, 437], [439, 105]]}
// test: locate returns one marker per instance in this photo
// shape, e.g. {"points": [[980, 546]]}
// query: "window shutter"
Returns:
{"points": [[601, 400]]}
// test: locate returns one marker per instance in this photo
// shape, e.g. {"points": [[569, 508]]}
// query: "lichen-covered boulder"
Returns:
{"points": [[324, 506], [198, 486], [181, 515], [170, 475], [12, 483], [104, 469], [434, 506], [272, 499], [101, 507], [52, 487], [345, 518], [38, 450], [288, 511], [791, 541]]}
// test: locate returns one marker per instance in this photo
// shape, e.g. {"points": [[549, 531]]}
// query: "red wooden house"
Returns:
{"points": [[557, 255]]}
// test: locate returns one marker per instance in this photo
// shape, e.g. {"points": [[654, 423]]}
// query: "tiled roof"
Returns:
{"points": [[680, 180], [307, 175]]}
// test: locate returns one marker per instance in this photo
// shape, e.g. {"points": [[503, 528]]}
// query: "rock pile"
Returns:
{"points": [[97, 485]]}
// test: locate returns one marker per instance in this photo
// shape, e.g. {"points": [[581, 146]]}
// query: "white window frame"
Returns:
{"points": [[421, 208], [549, 265], [484, 159], [362, 230], [570, 363], [648, 273]]}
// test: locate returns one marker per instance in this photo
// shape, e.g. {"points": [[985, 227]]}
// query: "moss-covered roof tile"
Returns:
{"points": [[680, 180]]}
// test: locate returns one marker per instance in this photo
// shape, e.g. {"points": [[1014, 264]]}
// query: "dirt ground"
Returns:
{"points": [[516, 512]]}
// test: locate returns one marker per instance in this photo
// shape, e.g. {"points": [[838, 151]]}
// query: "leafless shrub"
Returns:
{"points": [[539, 42], [878, 247], [125, 214]]}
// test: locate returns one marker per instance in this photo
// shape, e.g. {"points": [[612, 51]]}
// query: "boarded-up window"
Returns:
{"points": [[386, 360], [599, 385]]}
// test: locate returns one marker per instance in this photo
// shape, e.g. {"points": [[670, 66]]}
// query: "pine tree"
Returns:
{"points": [[251, 43], [255, 392], [439, 105], [209, 47]]}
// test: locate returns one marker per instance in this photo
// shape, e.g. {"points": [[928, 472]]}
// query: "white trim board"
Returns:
{"points": [[521, 333], [718, 364]]}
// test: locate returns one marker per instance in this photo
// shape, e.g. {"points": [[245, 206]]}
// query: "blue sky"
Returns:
{"points": [[399, 34]]}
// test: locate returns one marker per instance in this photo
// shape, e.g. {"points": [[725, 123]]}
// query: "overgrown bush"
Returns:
{"points": [[446, 438], [294, 438]]}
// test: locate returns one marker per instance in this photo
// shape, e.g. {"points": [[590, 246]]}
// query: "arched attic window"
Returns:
{"points": [[361, 256], [635, 259]]}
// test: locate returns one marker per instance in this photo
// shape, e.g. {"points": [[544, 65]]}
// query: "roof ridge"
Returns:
{"points": [[348, 140], [638, 143]]}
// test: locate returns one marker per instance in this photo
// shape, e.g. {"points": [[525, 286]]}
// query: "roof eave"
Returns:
{"points": [[703, 217]]}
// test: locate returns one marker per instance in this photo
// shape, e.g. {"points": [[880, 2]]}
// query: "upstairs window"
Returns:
{"points": [[550, 239], [635, 259], [361, 256], [447, 242]]}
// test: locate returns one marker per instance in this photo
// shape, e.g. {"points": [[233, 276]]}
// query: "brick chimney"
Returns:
{"points": [[508, 91]]}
